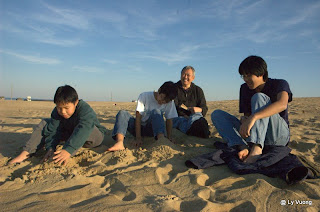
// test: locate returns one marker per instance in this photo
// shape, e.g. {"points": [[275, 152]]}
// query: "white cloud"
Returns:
{"points": [[249, 8], [72, 18], [110, 61], [32, 58], [276, 57], [60, 42], [170, 57], [302, 15], [36, 28], [88, 69]]}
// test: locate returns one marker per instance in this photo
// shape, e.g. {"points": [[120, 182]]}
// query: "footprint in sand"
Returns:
{"points": [[163, 174], [202, 179], [206, 194], [302, 146], [166, 203], [120, 191], [106, 157]]}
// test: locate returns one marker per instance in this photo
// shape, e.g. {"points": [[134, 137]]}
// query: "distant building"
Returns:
{"points": [[28, 98]]}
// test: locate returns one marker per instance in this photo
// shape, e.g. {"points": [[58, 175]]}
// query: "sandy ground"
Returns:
{"points": [[151, 178]]}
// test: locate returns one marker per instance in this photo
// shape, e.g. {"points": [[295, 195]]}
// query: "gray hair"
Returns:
{"points": [[187, 68]]}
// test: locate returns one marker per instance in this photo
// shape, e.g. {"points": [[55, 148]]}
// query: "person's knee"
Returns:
{"points": [[122, 113], [259, 97], [215, 115]]}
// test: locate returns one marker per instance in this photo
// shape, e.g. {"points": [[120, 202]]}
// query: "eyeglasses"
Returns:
{"points": [[245, 76]]}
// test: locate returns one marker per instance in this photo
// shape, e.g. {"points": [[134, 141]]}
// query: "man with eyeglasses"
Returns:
{"points": [[264, 103]]}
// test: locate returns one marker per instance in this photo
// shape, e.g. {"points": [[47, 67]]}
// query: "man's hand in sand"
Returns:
{"points": [[23, 156], [136, 142], [61, 156], [47, 155], [172, 140]]}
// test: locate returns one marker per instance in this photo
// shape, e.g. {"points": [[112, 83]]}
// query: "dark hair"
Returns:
{"points": [[254, 65], [65, 94], [169, 89]]}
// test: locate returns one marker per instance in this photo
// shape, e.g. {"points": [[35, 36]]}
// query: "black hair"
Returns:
{"points": [[169, 89], [65, 94], [254, 65]]}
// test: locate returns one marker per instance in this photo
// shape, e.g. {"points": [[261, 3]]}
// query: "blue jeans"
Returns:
{"points": [[271, 130], [126, 122], [183, 124]]}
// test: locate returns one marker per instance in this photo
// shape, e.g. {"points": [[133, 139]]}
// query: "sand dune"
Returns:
{"points": [[153, 177]]}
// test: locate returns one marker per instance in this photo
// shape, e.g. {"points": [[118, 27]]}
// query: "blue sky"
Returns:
{"points": [[122, 48]]}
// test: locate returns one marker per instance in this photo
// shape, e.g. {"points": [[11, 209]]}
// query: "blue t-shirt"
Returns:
{"points": [[271, 89]]}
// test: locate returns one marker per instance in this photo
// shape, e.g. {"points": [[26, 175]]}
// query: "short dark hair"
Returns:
{"points": [[65, 94], [169, 89], [254, 65]]}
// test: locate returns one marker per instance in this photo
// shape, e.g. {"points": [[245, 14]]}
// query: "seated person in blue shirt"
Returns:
{"points": [[149, 121], [72, 121], [264, 102]]}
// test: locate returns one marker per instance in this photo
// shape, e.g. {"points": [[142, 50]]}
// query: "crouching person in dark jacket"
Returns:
{"points": [[72, 121]]}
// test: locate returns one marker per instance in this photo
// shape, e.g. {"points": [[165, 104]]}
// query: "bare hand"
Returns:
{"points": [[47, 155], [172, 140], [136, 142], [183, 106], [243, 119], [195, 109], [61, 156], [246, 126]]}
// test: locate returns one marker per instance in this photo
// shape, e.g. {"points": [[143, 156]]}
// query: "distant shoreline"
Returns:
{"points": [[25, 99], [51, 100]]}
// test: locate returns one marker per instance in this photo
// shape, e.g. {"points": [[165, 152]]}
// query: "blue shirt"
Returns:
{"points": [[271, 88]]}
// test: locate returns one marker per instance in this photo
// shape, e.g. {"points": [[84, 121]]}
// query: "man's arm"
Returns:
{"points": [[51, 131], [276, 107], [201, 106], [244, 117], [138, 129], [82, 129], [169, 125]]}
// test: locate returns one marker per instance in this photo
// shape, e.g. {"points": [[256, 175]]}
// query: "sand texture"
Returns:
{"points": [[153, 177]]}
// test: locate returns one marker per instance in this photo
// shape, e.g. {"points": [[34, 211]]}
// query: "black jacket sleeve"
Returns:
{"points": [[202, 103]]}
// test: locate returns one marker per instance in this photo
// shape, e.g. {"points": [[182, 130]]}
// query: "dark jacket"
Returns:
{"points": [[192, 97], [276, 161], [76, 129]]}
